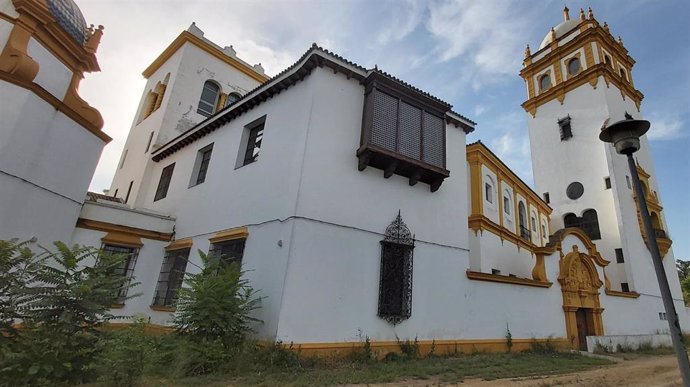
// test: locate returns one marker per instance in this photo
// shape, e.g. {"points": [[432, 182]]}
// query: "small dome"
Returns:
{"points": [[70, 18], [560, 30]]}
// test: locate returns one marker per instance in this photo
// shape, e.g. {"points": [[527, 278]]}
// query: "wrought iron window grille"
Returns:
{"points": [[126, 269], [395, 283], [171, 277]]}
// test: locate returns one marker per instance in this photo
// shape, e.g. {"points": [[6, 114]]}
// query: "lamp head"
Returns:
{"points": [[625, 135]]}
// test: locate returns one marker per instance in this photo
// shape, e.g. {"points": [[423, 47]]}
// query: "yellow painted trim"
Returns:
{"points": [[122, 239], [117, 306], [57, 104], [179, 244], [118, 228], [616, 293], [482, 223], [226, 235], [7, 17], [441, 347], [479, 276], [187, 36], [161, 308]]}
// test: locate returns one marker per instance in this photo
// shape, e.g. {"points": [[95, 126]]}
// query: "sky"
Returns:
{"points": [[468, 53]]}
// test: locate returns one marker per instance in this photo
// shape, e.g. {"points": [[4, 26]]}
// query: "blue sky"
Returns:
{"points": [[468, 53]]}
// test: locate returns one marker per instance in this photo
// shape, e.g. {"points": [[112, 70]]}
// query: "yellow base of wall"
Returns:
{"points": [[381, 348]]}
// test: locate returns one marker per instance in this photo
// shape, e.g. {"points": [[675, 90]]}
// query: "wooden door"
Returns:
{"points": [[581, 317]]}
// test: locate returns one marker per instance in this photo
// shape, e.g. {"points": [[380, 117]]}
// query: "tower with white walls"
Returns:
{"points": [[190, 81], [578, 81]]}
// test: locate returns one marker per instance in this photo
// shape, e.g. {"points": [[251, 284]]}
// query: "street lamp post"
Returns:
{"points": [[625, 136]]}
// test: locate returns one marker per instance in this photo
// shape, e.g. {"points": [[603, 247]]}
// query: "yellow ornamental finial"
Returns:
{"points": [[606, 26], [553, 34], [620, 40], [590, 14], [528, 53], [566, 15]]}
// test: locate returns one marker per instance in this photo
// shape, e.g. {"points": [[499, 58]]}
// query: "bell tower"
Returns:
{"points": [[578, 81]]}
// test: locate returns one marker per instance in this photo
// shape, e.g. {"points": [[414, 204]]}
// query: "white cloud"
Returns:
{"points": [[514, 151], [403, 18], [664, 128], [479, 109]]}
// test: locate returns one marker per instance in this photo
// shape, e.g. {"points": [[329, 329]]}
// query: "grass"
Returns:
{"points": [[444, 369]]}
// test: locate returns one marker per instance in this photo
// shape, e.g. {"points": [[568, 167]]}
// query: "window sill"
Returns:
{"points": [[479, 276], [163, 308], [616, 293]]}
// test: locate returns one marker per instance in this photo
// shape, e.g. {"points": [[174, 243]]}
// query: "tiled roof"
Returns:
{"points": [[70, 18], [316, 56], [94, 197]]}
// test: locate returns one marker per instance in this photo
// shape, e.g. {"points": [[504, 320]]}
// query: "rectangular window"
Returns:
{"points": [[627, 181], [171, 277], [129, 190], [395, 282], [547, 199], [625, 287], [164, 182], [506, 205], [203, 158], [126, 269], [495, 272], [543, 231], [619, 256], [228, 251], [488, 192], [564, 126], [534, 224], [256, 135], [607, 182], [148, 144]]}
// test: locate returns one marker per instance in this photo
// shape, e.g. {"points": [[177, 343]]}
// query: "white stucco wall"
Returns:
{"points": [[46, 162], [52, 75]]}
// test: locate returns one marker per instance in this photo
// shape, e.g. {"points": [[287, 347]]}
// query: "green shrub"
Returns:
{"points": [[216, 303], [364, 354], [409, 349], [546, 347], [122, 354], [62, 297]]}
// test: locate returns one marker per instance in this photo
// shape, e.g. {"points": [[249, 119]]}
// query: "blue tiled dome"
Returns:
{"points": [[70, 18]]}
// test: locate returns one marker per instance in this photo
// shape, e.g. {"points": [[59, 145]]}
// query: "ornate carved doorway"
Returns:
{"points": [[580, 285]]}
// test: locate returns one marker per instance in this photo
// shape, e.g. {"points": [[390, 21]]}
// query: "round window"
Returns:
{"points": [[544, 82], [575, 190], [574, 66]]}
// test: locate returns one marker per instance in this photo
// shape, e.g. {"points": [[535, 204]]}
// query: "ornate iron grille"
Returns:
{"points": [[434, 140], [395, 284], [228, 251], [384, 128], [410, 131]]}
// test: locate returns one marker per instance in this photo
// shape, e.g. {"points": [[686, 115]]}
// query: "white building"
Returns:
{"points": [[356, 208]]}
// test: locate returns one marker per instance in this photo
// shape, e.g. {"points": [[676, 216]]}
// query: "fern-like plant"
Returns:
{"points": [[18, 266], [216, 303]]}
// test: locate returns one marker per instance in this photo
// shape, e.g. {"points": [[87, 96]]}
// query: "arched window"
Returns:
{"points": [[590, 224], [607, 61], [656, 225], [489, 189], [506, 202], [395, 282], [574, 66], [232, 98], [623, 75], [209, 99], [570, 220], [544, 82], [522, 220]]}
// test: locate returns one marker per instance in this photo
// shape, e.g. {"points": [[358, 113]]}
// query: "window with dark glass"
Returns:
{"points": [[395, 283], [574, 66], [488, 193], [506, 205], [625, 287], [201, 167], [544, 82], [164, 182], [403, 132], [607, 182], [588, 222], [256, 135], [547, 199], [232, 98], [129, 190], [619, 256], [607, 61], [126, 268], [565, 128], [171, 277], [228, 251], [522, 221], [209, 99]]}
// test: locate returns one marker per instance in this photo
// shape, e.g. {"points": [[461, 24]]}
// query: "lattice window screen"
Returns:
{"points": [[434, 140], [384, 128], [410, 131]]}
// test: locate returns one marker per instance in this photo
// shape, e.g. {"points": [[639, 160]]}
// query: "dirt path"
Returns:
{"points": [[641, 372]]}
